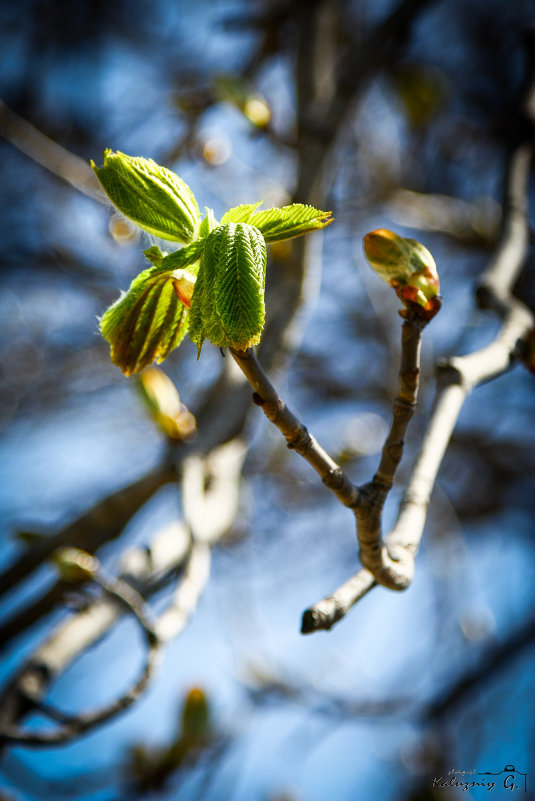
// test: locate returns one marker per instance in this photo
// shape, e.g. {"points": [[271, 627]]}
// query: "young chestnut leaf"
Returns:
{"points": [[408, 267], [241, 213], [289, 221], [152, 196], [209, 222], [146, 323], [227, 307]]}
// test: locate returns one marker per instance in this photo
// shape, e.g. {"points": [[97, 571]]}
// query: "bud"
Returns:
{"points": [[195, 716], [184, 284], [75, 565], [152, 196], [163, 404], [408, 267]]}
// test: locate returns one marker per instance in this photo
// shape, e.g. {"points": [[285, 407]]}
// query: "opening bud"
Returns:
{"points": [[409, 268]]}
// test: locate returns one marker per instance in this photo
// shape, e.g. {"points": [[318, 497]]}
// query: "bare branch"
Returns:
{"points": [[71, 727], [100, 524], [296, 434], [374, 554], [49, 154], [147, 568], [333, 608], [457, 377]]}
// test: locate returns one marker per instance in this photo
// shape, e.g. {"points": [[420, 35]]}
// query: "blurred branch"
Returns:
{"points": [[147, 569], [219, 474], [186, 596], [319, 131], [494, 661], [49, 154], [102, 523], [72, 726], [210, 490]]}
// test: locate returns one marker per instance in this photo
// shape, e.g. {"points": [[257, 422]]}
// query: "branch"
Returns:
{"points": [[374, 554], [49, 154], [296, 434], [73, 726], [457, 377], [148, 569], [100, 524]]}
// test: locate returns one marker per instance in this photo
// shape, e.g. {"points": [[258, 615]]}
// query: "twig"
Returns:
{"points": [[100, 524], [72, 727], [49, 154], [374, 555], [367, 501], [457, 377], [148, 568], [295, 433]]}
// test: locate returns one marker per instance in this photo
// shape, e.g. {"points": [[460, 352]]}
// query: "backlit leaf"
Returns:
{"points": [[148, 321], [241, 213], [289, 221], [152, 196], [228, 302]]}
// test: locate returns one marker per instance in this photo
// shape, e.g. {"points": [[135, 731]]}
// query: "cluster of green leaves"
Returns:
{"points": [[212, 287]]}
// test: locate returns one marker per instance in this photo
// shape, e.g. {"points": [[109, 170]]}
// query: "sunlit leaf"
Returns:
{"points": [[289, 221], [152, 196], [146, 323], [228, 302], [241, 213], [209, 222]]}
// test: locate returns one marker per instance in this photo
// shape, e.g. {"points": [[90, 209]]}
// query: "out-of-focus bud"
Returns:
{"points": [[409, 268], [75, 565], [163, 404], [195, 716], [123, 232], [152, 196], [253, 105]]}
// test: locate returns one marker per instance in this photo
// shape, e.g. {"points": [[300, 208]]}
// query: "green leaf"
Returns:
{"points": [[152, 196], [185, 257], [146, 323], [241, 213], [289, 221], [227, 306], [209, 222]]}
